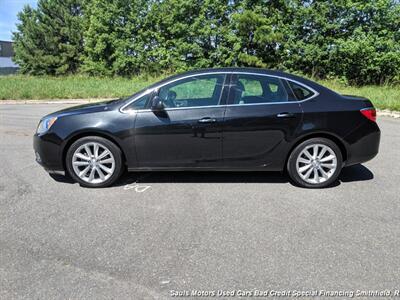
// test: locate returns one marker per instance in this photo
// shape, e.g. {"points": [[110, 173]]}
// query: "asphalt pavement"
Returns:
{"points": [[155, 235]]}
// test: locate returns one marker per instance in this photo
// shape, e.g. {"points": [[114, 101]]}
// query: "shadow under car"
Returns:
{"points": [[349, 174]]}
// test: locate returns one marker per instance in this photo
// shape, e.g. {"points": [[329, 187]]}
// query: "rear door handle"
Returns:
{"points": [[285, 115], [207, 120]]}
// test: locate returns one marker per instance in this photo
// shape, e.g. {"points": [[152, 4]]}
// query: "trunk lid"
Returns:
{"points": [[366, 101]]}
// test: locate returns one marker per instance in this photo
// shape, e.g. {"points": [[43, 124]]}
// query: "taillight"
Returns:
{"points": [[369, 113]]}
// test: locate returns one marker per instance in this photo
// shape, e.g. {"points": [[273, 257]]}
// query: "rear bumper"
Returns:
{"points": [[366, 148], [48, 153]]}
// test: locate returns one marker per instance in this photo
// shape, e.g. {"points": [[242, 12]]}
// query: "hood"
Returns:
{"points": [[86, 108]]}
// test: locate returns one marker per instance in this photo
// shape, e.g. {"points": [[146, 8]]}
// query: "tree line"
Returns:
{"points": [[356, 41]]}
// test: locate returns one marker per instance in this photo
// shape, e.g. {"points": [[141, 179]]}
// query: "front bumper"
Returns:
{"points": [[48, 152]]}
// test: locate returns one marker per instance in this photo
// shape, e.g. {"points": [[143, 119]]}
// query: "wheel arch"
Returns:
{"points": [[86, 133]]}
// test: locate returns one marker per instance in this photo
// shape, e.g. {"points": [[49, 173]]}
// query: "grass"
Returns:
{"points": [[70, 87], [76, 87], [383, 97]]}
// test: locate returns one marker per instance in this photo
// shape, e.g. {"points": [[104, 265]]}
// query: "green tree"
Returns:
{"points": [[113, 37], [169, 42], [213, 32], [356, 40], [177, 35], [49, 38], [262, 29], [100, 34]]}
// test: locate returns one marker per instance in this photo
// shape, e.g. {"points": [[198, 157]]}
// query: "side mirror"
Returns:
{"points": [[157, 104]]}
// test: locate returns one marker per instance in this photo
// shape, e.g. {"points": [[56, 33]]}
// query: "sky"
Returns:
{"points": [[8, 16]]}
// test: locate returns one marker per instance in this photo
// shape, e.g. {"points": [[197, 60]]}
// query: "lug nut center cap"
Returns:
{"points": [[316, 164]]}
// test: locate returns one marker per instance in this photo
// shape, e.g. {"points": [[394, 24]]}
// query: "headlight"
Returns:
{"points": [[45, 124]]}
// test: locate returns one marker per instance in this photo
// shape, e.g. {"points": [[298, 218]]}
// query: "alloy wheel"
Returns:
{"points": [[316, 163], [93, 163]]}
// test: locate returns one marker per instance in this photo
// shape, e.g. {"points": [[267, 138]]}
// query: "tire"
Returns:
{"points": [[89, 163], [315, 171]]}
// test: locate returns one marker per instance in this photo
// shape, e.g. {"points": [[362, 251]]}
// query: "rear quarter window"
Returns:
{"points": [[300, 92]]}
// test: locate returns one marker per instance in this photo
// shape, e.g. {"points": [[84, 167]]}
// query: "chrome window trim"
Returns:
{"points": [[224, 73]]}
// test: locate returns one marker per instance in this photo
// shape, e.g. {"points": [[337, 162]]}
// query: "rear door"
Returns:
{"points": [[188, 133], [261, 118]]}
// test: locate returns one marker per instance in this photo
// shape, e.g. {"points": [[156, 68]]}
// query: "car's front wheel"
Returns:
{"points": [[94, 161], [315, 163]]}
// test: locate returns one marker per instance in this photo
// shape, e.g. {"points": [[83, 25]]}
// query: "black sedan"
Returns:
{"points": [[230, 119]]}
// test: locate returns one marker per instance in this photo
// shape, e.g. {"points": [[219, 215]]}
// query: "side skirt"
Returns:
{"points": [[199, 169]]}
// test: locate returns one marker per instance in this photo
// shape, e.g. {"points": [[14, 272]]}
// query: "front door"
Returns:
{"points": [[188, 132], [261, 118]]}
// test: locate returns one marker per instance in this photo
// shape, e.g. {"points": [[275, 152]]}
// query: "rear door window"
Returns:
{"points": [[258, 89]]}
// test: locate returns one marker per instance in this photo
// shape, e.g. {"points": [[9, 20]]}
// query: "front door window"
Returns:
{"points": [[196, 91]]}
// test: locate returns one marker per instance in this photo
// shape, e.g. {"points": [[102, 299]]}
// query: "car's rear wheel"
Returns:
{"points": [[94, 161], [315, 163]]}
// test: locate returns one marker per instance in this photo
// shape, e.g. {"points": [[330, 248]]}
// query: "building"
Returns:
{"points": [[7, 66]]}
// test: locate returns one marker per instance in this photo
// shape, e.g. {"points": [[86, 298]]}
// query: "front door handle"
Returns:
{"points": [[285, 115], [207, 120]]}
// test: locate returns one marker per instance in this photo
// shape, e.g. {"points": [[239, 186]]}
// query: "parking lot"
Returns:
{"points": [[153, 234]]}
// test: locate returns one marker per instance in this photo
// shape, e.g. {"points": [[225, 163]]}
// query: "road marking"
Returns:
{"points": [[137, 187]]}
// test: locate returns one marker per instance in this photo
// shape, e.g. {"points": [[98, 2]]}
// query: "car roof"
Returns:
{"points": [[262, 71], [236, 69], [233, 69]]}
